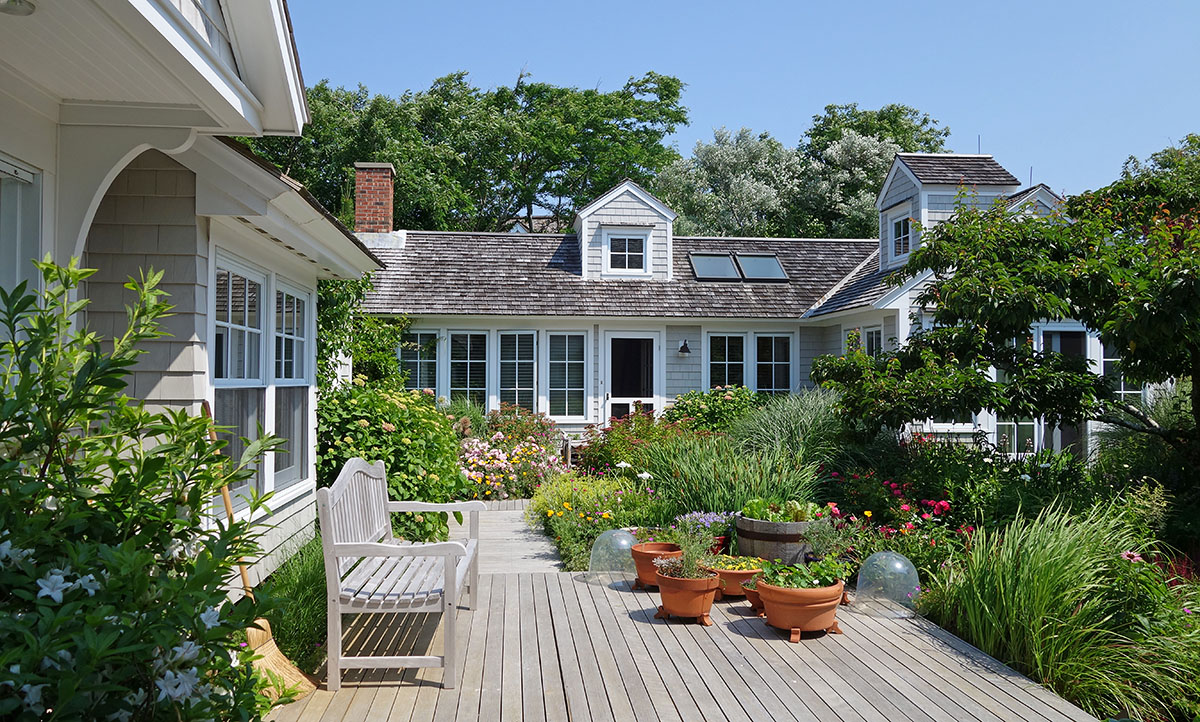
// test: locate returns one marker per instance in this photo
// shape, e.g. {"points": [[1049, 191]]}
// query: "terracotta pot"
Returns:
{"points": [[687, 597], [801, 610], [731, 581], [643, 558], [755, 601], [720, 544]]}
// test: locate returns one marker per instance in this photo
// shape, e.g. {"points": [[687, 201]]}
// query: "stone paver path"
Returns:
{"points": [[506, 543]]}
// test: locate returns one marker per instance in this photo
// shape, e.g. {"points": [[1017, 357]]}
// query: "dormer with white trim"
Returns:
{"points": [[922, 188], [626, 234]]}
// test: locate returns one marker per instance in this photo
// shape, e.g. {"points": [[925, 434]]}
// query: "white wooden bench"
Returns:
{"points": [[367, 570]]}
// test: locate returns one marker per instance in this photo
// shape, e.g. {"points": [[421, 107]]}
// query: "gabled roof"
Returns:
{"points": [[1031, 193], [505, 274], [862, 288], [956, 169], [635, 189]]}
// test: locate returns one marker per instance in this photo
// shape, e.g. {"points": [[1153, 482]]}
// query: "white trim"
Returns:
{"points": [[705, 370], [793, 359], [589, 393], [640, 193], [898, 166], [894, 258], [609, 232]]}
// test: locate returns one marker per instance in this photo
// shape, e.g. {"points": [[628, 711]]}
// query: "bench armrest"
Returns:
{"points": [[431, 507], [376, 549]]}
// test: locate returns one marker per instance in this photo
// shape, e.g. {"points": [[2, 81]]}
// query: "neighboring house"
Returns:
{"points": [[583, 325], [536, 224], [111, 117]]}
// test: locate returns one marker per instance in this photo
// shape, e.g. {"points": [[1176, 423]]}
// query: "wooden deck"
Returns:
{"points": [[506, 543], [546, 647]]}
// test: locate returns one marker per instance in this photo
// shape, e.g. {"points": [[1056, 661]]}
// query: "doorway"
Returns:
{"points": [[631, 373]]}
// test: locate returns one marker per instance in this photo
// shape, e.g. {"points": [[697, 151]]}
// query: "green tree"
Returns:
{"points": [[907, 127], [1126, 264]]}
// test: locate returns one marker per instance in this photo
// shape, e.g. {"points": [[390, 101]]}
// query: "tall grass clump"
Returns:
{"points": [[805, 425], [712, 473], [298, 619], [1077, 603]]}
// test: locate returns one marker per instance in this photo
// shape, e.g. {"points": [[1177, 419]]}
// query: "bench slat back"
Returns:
{"points": [[354, 509]]}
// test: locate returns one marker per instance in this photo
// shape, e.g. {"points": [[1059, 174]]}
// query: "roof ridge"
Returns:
{"points": [[950, 155], [774, 238]]}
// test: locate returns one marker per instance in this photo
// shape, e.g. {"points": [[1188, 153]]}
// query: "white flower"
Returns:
{"points": [[87, 583], [50, 504], [233, 659], [53, 585], [136, 699], [177, 685], [211, 617], [16, 555], [1044, 466], [185, 652], [645, 475], [33, 697], [121, 715], [1026, 477], [623, 464]]}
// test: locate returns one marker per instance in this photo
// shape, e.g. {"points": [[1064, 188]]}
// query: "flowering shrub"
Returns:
{"points": [[408, 433], [624, 440], [112, 577], [714, 410], [517, 424], [735, 563], [498, 473]]}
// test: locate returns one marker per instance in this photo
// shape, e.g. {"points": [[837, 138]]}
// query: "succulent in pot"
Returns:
{"points": [[687, 589], [803, 597], [733, 571]]}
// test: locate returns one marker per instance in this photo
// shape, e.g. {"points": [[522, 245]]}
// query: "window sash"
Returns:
{"points": [[240, 410], [291, 336], [418, 357], [773, 372], [627, 253], [901, 232], [20, 226], [291, 424], [727, 360], [518, 369], [238, 321], [468, 367], [567, 383]]}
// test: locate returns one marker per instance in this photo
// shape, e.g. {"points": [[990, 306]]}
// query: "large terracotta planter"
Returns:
{"points": [[755, 601], [801, 610], [772, 540], [643, 558], [731, 581], [691, 598]]}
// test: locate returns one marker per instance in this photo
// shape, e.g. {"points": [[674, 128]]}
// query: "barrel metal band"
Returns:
{"points": [[767, 536]]}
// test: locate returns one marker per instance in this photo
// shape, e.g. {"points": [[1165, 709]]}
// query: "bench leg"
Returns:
{"points": [[449, 663], [333, 647], [474, 597]]}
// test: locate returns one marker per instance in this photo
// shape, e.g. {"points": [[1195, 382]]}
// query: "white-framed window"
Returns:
{"points": [[239, 374], [20, 224], [627, 251], [901, 235], [566, 371], [773, 363], [418, 358], [468, 367], [726, 360], [518, 368], [1127, 391], [293, 382], [1015, 434], [871, 338]]}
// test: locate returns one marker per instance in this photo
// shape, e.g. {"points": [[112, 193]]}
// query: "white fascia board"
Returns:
{"points": [[161, 30], [897, 168], [333, 251], [641, 193], [890, 299], [260, 35]]}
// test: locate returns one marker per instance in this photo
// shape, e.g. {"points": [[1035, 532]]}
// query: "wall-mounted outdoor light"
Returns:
{"points": [[684, 350]]}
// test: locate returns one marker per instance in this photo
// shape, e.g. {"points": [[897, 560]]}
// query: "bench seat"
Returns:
{"points": [[414, 584]]}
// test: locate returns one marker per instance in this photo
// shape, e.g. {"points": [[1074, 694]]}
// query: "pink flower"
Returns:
{"points": [[835, 475], [897, 492], [894, 485], [1131, 556], [905, 507], [925, 516]]}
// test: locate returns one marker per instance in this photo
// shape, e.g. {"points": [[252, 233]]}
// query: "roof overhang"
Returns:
{"points": [[630, 187], [232, 182], [898, 168]]}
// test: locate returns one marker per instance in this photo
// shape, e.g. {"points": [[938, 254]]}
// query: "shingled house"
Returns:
{"points": [[582, 325]]}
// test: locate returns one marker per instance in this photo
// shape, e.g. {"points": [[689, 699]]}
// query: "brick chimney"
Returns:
{"points": [[373, 197]]}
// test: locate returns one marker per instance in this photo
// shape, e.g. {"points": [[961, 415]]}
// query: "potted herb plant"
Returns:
{"points": [[775, 530], [803, 597], [686, 587], [652, 544], [733, 572], [716, 524]]}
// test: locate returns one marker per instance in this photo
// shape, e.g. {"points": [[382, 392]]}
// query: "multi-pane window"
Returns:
{"points": [[518, 362], [773, 364], [20, 224], [468, 367], [901, 236], [238, 368], [871, 339], [726, 360], [1127, 391], [418, 358], [566, 368], [290, 336], [1014, 434], [627, 253]]}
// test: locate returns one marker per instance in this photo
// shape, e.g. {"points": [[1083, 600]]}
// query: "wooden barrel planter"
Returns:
{"points": [[772, 540]]}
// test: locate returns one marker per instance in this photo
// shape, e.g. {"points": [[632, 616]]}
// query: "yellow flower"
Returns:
{"points": [[581, 516], [549, 513], [867, 514], [605, 515], [560, 513], [567, 505]]}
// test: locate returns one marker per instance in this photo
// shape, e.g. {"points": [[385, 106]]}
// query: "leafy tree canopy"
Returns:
{"points": [[907, 127], [1126, 263], [473, 159]]}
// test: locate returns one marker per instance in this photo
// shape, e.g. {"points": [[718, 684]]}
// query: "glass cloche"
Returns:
{"points": [[888, 586]]}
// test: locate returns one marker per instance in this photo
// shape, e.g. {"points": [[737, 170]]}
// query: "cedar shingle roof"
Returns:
{"points": [[864, 287], [509, 274], [1016, 199], [955, 169]]}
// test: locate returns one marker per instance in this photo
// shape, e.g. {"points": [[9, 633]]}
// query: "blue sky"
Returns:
{"points": [[1069, 88]]}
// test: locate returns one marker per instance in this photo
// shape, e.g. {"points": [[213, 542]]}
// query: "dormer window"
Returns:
{"points": [[626, 251], [901, 236]]}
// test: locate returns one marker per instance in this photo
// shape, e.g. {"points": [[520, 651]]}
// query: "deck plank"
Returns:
{"points": [[595, 681], [577, 702], [533, 695]]}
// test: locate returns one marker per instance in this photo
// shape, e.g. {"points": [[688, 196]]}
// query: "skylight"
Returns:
{"points": [[760, 267], [714, 267]]}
